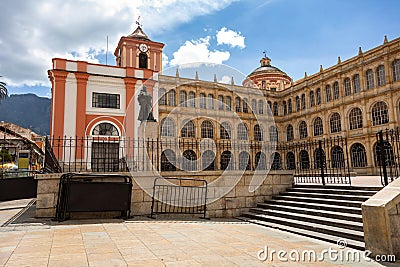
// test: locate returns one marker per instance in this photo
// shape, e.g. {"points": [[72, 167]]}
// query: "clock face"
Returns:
{"points": [[143, 47]]}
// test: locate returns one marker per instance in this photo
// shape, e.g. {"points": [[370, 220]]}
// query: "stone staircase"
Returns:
{"points": [[326, 213]]}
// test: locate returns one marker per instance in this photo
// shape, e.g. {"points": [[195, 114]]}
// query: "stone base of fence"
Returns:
{"points": [[230, 193]]}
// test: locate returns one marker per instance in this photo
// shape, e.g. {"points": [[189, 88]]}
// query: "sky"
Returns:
{"points": [[298, 35]]}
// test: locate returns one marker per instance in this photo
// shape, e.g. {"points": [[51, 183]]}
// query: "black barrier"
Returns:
{"points": [[18, 188], [93, 193], [179, 196]]}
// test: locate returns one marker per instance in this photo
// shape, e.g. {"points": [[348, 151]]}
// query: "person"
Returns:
{"points": [[145, 112]]}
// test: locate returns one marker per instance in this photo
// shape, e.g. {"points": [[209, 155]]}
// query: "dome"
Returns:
{"points": [[268, 77], [266, 68]]}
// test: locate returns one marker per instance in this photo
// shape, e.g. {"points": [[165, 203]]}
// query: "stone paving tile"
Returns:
{"points": [[150, 243]]}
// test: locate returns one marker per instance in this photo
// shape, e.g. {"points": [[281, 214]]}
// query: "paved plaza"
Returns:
{"points": [[25, 241]]}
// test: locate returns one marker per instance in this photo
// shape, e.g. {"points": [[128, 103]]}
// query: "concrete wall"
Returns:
{"points": [[381, 218], [238, 191]]}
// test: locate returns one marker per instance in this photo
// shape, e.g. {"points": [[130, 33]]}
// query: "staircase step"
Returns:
{"points": [[320, 236], [346, 224], [342, 187], [323, 213], [330, 196], [333, 191], [316, 227], [316, 206], [346, 203]]}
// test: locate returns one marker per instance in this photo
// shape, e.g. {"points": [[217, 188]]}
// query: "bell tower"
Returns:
{"points": [[137, 51]]}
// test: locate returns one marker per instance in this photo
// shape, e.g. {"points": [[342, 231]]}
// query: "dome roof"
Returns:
{"points": [[266, 68]]}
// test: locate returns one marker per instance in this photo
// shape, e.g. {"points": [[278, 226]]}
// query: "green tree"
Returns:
{"points": [[5, 156], [3, 90]]}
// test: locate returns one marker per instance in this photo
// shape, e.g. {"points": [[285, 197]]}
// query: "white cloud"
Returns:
{"points": [[198, 51], [231, 38], [225, 79], [33, 32]]}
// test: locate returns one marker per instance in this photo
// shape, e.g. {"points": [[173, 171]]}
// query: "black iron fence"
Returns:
{"points": [[323, 161], [387, 154], [118, 154], [179, 196]]}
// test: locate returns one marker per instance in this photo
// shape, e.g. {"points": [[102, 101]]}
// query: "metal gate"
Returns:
{"points": [[387, 154], [322, 161]]}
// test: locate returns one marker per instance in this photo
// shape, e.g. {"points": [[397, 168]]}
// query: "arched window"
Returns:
{"points": [[258, 133], [358, 156], [337, 159], [319, 158], [225, 131], [380, 75], [210, 101], [171, 98], [356, 83], [318, 127], [182, 99], [203, 104], [207, 129], [284, 108], [238, 104], [226, 160], [192, 100], [335, 123], [228, 102], [260, 161], [297, 103], [318, 96], [304, 160], [242, 132], [396, 70], [167, 127], [244, 161], [161, 97], [106, 129], [143, 60], [189, 160], [289, 111], [275, 108], [380, 113], [221, 103], [303, 101], [312, 100], [188, 130], [328, 93], [168, 160], [260, 107], [382, 152], [355, 119], [347, 86], [208, 161], [369, 75], [289, 133], [336, 93], [303, 130], [245, 105], [276, 161], [273, 134], [290, 161], [254, 106]]}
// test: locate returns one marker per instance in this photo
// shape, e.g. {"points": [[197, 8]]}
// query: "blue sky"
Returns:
{"points": [[297, 35]]}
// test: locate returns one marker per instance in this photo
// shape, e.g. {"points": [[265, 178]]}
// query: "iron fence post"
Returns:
{"points": [[382, 158], [321, 163]]}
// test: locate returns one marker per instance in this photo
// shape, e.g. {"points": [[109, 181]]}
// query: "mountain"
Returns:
{"points": [[27, 110]]}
